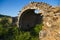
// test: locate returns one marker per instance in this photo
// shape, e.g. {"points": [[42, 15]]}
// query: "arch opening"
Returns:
{"points": [[37, 11], [29, 19]]}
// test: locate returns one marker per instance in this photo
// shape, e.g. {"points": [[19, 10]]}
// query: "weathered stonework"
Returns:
{"points": [[51, 28], [51, 19], [27, 16]]}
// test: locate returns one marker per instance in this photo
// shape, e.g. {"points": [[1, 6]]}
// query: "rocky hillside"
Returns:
{"points": [[5, 16], [12, 20]]}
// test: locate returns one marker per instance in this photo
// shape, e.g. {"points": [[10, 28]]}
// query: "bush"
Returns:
{"points": [[24, 35], [33, 34], [8, 32], [37, 28]]}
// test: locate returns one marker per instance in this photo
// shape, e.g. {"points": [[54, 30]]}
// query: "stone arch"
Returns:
{"points": [[27, 17]]}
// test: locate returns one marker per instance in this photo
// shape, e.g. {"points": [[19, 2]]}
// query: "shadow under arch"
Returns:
{"points": [[29, 19]]}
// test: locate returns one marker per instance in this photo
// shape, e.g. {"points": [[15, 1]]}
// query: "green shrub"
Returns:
{"points": [[24, 35], [33, 34], [37, 28], [8, 32]]}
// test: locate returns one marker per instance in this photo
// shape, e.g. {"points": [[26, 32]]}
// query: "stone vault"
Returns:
{"points": [[48, 14], [28, 18]]}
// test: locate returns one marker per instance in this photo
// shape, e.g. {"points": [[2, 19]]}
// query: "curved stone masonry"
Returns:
{"points": [[50, 16], [35, 5]]}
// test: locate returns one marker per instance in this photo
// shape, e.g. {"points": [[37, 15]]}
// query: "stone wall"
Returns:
{"points": [[51, 28]]}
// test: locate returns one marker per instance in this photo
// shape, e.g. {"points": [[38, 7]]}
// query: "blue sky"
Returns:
{"points": [[12, 7]]}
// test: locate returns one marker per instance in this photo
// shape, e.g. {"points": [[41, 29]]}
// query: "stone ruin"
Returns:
{"points": [[50, 16]]}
